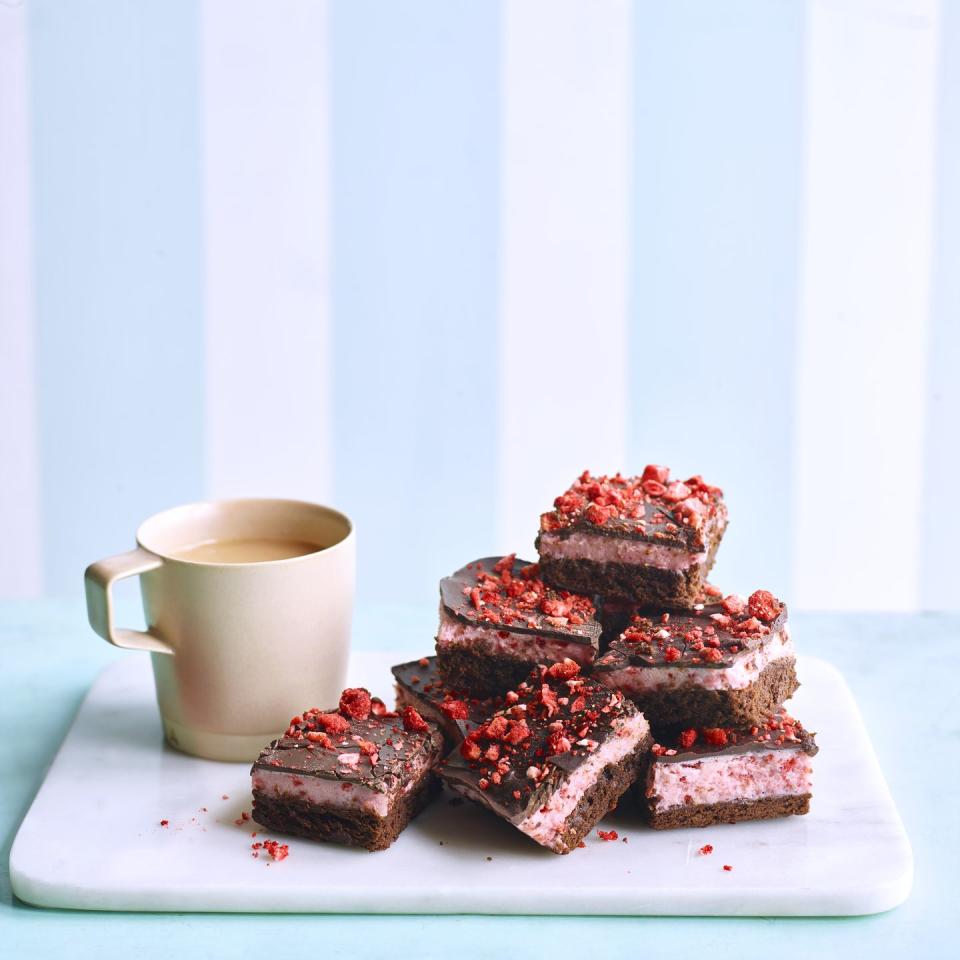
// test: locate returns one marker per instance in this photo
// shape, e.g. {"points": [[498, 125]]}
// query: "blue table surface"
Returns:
{"points": [[50, 656]]}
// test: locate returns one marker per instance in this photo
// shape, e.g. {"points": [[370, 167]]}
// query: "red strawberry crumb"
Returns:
{"points": [[164, 823], [687, 738], [671, 654], [424, 662], [277, 850], [716, 736], [413, 722], [355, 703], [735, 605], [607, 834], [763, 605], [727, 867], [706, 850], [518, 732], [565, 670], [333, 723], [455, 709], [581, 845]]}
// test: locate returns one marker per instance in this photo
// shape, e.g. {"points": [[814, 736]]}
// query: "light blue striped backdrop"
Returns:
{"points": [[384, 166]]}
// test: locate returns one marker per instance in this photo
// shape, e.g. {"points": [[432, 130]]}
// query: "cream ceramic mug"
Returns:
{"points": [[238, 647]]}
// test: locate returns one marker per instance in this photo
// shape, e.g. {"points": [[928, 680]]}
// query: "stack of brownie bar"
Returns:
{"points": [[710, 672], [556, 686]]}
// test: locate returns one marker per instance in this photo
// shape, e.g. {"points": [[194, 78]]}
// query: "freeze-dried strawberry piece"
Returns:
{"points": [[735, 605], [607, 835], [716, 736], [333, 723], [379, 709], [413, 722], [455, 709], [687, 738], [355, 703], [652, 472], [567, 669], [517, 732], [764, 605]]}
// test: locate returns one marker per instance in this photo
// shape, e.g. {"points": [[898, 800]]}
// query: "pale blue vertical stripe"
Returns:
{"points": [[415, 132], [718, 100], [940, 517], [118, 259]]}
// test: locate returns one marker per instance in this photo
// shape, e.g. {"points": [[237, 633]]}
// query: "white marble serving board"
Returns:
{"points": [[92, 839]]}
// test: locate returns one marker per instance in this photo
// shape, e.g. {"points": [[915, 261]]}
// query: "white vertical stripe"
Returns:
{"points": [[266, 203], [566, 81], [20, 533], [871, 88]]}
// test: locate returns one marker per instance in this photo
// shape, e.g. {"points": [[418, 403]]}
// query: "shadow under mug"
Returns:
{"points": [[237, 648]]}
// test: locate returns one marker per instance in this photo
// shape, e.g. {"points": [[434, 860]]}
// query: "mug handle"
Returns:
{"points": [[98, 581]]}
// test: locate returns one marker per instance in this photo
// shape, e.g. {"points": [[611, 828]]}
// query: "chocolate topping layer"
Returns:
{"points": [[383, 748], [712, 637], [780, 731], [509, 592], [685, 515], [421, 678], [554, 721]]}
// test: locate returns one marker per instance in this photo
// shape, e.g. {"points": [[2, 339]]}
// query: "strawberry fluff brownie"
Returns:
{"points": [[455, 712], [699, 777], [356, 775], [555, 759], [648, 539], [728, 663], [498, 620]]}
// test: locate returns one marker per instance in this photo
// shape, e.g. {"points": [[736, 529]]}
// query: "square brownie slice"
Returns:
{"points": [[730, 663], [498, 620], [718, 775], [455, 712], [648, 539], [356, 775], [556, 759]]}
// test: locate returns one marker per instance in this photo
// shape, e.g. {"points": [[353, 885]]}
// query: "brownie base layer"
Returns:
{"points": [[637, 583], [481, 674], [708, 814], [694, 706], [354, 828], [614, 781]]}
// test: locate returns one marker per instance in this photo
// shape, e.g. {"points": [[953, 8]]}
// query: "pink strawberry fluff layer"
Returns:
{"points": [[548, 823], [744, 670], [600, 549], [730, 779], [497, 640], [340, 794]]}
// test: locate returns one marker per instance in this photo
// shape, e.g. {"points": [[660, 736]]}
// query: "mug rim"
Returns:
{"points": [[226, 501]]}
